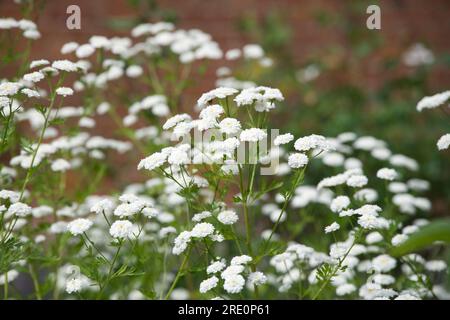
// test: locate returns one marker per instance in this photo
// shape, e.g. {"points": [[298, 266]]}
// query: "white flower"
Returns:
{"points": [[211, 112], [228, 217], [435, 265], [398, 239], [230, 126], [340, 203], [19, 209], [444, 142], [208, 284], [12, 196], [312, 142], [178, 157], [433, 101], [200, 216], [253, 135], [102, 206], [202, 230], [79, 226], [33, 77], [366, 195], [345, 289], [121, 229], [64, 65], [297, 160], [253, 51], [38, 63], [283, 139], [173, 121], [153, 161], [234, 283], [333, 159], [181, 242], [232, 270], [374, 237], [60, 165], [134, 71], [256, 278], [387, 174], [239, 260], [74, 285], [369, 221], [383, 263], [69, 47], [64, 91], [215, 267], [30, 93], [332, 227], [218, 93], [357, 181], [84, 51], [9, 88]]}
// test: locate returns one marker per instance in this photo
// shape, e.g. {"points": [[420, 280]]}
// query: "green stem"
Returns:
{"points": [[177, 277]]}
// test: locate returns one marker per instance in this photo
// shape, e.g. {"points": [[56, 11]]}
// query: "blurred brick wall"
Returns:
{"points": [[403, 22]]}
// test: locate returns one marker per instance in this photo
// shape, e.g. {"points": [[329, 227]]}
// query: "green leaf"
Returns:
{"points": [[438, 230]]}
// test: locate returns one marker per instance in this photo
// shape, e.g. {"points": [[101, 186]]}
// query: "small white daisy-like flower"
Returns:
{"points": [[283, 139], [121, 229], [38, 63], [134, 71], [230, 126], [387, 174], [153, 161], [65, 65], [74, 285], [228, 217], [64, 91], [433, 101], [215, 267], [357, 181], [30, 93], [297, 160], [256, 278], [312, 142], [218, 93], [33, 76], [398, 239], [178, 157], [383, 263], [240, 260], [102, 206], [234, 283], [369, 221], [60, 165], [253, 135], [79, 226], [435, 265], [19, 209], [202, 230], [69, 47], [344, 289], [9, 88], [201, 216], [181, 242], [332, 227], [340, 203], [232, 270], [444, 142], [208, 284]]}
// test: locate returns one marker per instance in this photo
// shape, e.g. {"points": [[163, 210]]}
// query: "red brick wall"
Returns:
{"points": [[403, 22]]}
